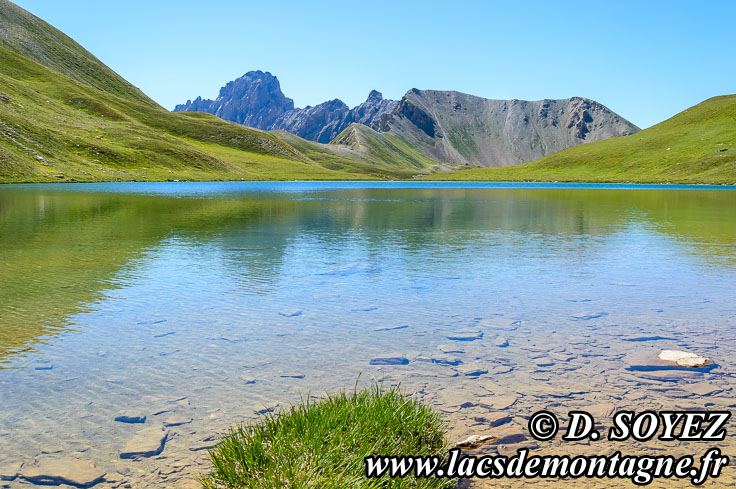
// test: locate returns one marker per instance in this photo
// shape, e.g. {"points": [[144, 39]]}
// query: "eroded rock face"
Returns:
{"points": [[55, 471], [454, 127]]}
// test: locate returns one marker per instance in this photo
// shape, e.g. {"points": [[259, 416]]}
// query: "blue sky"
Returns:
{"points": [[645, 60]]}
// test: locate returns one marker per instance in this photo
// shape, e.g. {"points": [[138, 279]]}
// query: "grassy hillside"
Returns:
{"points": [[364, 143], [697, 145], [65, 116], [344, 154], [31, 37], [53, 128]]}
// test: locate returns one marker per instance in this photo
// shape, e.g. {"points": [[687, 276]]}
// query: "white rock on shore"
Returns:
{"points": [[684, 358], [474, 441]]}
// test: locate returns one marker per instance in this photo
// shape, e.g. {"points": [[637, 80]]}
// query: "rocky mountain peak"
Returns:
{"points": [[374, 95], [256, 100]]}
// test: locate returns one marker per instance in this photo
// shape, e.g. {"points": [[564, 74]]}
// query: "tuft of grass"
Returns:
{"points": [[323, 444]]}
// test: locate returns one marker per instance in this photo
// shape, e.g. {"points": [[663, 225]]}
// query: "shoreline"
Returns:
{"points": [[602, 185]]}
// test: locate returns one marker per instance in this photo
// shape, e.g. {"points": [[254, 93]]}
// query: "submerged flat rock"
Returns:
{"points": [[176, 420], [146, 443], [204, 444], [445, 360], [397, 360], [702, 388], [503, 402], [465, 335], [392, 328], [130, 417], [451, 349], [601, 410], [43, 365], [472, 369], [54, 471], [492, 419], [587, 316], [9, 471], [509, 438], [511, 449]]}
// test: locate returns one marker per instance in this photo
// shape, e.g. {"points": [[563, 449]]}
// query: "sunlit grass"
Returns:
{"points": [[323, 444]]}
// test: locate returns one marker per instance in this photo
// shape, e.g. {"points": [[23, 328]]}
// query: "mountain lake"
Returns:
{"points": [[202, 305]]}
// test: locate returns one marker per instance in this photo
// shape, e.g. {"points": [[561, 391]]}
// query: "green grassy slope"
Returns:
{"points": [[53, 127], [31, 37], [65, 116], [345, 157], [387, 149], [697, 145]]}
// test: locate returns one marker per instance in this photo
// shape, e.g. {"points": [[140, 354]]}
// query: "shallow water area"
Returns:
{"points": [[198, 305]]}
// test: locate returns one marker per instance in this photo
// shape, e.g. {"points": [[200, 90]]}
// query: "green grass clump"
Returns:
{"points": [[323, 444]]}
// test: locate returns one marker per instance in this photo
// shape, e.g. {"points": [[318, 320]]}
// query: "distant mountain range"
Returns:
{"points": [[445, 126], [255, 100]]}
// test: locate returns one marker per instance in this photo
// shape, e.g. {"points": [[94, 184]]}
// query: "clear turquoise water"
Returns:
{"points": [[134, 296]]}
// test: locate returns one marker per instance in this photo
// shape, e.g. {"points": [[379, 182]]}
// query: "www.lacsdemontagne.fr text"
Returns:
{"points": [[641, 470]]}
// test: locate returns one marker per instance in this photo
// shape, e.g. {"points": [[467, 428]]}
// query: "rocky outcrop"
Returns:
{"points": [[320, 123], [256, 100], [370, 110]]}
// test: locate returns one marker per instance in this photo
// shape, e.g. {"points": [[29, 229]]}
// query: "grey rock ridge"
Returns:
{"points": [[256, 100], [444, 126], [454, 127]]}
